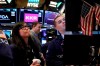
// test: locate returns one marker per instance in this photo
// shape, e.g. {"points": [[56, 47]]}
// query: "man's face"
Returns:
{"points": [[60, 23], [37, 28]]}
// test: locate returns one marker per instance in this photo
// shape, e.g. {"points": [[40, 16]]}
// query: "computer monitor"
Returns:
{"points": [[31, 15], [49, 17], [8, 16], [8, 33], [43, 35]]}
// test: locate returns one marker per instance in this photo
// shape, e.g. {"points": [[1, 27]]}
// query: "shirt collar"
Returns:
{"points": [[62, 36]]}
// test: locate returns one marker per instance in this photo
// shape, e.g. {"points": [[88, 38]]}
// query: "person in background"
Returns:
{"points": [[23, 47], [6, 58], [54, 54], [36, 26], [34, 32]]}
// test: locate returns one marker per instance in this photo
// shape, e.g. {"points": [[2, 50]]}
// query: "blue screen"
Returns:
{"points": [[43, 40], [8, 15], [43, 35], [8, 33], [49, 17], [33, 1]]}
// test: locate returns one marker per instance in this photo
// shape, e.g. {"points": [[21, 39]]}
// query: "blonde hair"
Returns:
{"points": [[61, 14]]}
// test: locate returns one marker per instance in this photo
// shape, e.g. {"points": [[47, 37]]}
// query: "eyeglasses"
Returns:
{"points": [[25, 27], [62, 20]]}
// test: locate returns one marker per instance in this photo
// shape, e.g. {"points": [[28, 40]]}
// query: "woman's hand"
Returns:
{"points": [[36, 62]]}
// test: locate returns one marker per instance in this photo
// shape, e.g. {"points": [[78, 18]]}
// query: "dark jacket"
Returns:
{"points": [[6, 58], [24, 57], [54, 55]]}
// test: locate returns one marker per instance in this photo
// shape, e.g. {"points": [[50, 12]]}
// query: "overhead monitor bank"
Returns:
{"points": [[8, 16]]}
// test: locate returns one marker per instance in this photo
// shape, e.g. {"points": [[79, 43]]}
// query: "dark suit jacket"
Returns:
{"points": [[6, 58], [24, 57], [54, 55]]}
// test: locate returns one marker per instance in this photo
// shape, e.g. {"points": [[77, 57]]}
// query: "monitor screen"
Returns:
{"points": [[49, 17], [8, 33], [43, 35], [43, 40], [44, 32], [8, 15], [30, 15]]}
